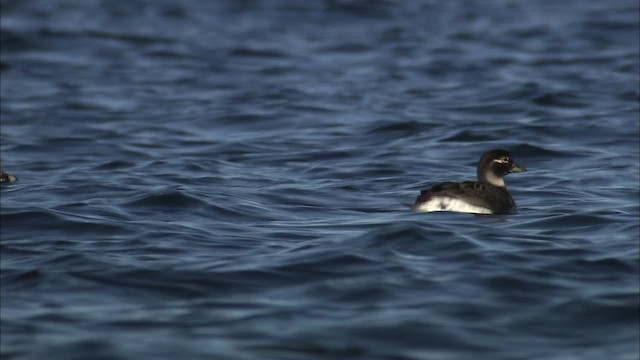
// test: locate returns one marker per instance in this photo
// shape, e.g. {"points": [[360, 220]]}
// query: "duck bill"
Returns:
{"points": [[517, 168]]}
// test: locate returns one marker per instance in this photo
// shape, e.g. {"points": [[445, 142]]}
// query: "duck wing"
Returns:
{"points": [[467, 196]]}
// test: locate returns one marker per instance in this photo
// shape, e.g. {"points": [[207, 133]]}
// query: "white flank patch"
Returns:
{"points": [[441, 203]]}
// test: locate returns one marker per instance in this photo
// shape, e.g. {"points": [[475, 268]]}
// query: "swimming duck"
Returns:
{"points": [[6, 178], [488, 195]]}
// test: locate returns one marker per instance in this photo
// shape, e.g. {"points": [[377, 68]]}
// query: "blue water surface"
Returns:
{"points": [[229, 179]]}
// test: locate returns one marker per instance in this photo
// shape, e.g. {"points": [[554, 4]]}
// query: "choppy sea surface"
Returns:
{"points": [[229, 179]]}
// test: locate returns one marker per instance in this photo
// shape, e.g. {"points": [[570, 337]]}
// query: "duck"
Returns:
{"points": [[6, 178], [487, 196]]}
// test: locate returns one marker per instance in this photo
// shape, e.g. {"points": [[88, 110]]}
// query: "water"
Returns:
{"points": [[228, 180]]}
